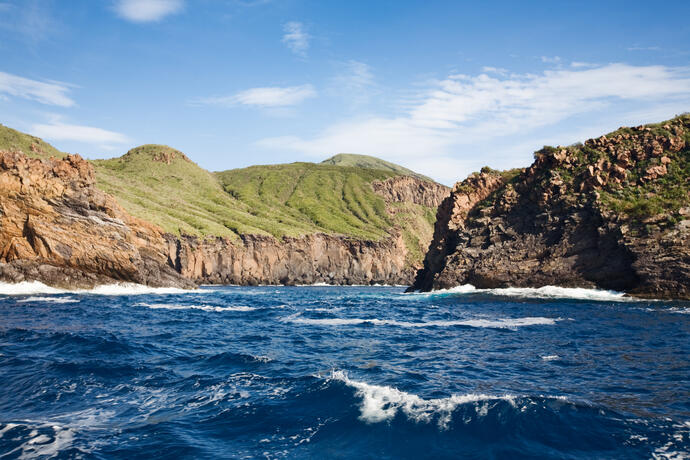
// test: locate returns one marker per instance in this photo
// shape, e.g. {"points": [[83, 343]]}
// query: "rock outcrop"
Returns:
{"points": [[408, 189], [317, 258], [58, 228], [611, 214]]}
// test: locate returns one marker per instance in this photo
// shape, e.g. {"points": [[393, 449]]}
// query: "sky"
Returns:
{"points": [[441, 87]]}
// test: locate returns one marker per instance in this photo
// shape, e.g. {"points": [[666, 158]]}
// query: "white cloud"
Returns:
{"points": [[551, 60], [481, 119], [496, 70], [147, 10], [58, 131], [296, 38], [272, 96], [50, 93]]}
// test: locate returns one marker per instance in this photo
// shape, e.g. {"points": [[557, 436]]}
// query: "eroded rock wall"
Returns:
{"points": [[551, 225], [317, 258], [57, 228]]}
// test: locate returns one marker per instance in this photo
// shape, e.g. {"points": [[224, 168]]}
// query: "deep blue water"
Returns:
{"points": [[352, 372]]}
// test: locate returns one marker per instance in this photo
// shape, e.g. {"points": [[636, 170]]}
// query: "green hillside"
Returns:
{"points": [[161, 185], [11, 139], [368, 162]]}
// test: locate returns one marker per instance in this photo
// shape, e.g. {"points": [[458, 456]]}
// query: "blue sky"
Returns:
{"points": [[441, 87]]}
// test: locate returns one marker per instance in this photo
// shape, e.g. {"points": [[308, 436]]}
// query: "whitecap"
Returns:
{"points": [[48, 299], [36, 287], [27, 288], [382, 402], [168, 306], [500, 323], [544, 292]]}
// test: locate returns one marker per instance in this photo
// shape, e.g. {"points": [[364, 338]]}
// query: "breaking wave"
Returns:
{"points": [[167, 306], [48, 299], [381, 403], [502, 323], [36, 287], [544, 292]]}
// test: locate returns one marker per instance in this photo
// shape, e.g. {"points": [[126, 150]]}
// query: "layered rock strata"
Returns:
{"points": [[57, 228]]}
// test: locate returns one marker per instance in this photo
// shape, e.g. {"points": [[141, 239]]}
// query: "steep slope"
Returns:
{"points": [[365, 161], [294, 223], [613, 213], [12, 140], [56, 227]]}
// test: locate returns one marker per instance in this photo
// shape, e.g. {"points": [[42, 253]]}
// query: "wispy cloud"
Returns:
{"points": [[147, 10], [296, 38], [266, 97], [457, 116], [354, 81], [551, 59], [496, 70], [58, 131], [644, 48], [31, 20], [50, 93]]}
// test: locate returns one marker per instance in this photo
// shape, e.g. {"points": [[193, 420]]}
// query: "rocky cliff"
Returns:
{"points": [[317, 258], [58, 228], [313, 258], [612, 213]]}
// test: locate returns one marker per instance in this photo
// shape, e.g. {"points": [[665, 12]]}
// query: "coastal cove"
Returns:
{"points": [[308, 372]]}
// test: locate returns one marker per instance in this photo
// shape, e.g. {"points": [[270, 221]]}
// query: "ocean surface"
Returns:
{"points": [[341, 372]]}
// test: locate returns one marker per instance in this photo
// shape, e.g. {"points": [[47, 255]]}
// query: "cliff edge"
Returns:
{"points": [[58, 228], [613, 213]]}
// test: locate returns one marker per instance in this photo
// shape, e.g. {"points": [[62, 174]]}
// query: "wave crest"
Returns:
{"points": [[381, 402], [167, 306], [544, 292], [500, 323]]}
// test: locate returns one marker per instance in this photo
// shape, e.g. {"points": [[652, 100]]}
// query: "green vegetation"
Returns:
{"points": [[302, 198], [368, 162], [161, 185], [11, 139]]}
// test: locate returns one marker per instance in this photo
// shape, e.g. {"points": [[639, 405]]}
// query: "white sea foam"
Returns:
{"points": [[550, 357], [27, 288], [382, 402], [544, 292], [168, 306], [36, 287], [501, 323], [48, 299]]}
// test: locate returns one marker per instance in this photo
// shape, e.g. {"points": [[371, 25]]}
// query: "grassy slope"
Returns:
{"points": [[368, 162], [11, 139], [661, 197], [160, 185]]}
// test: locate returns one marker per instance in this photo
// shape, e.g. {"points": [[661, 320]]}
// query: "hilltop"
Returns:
{"points": [[611, 213], [369, 162]]}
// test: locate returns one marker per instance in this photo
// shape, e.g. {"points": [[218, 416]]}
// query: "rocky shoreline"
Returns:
{"points": [[569, 220], [58, 228]]}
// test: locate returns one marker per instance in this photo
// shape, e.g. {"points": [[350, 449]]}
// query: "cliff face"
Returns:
{"points": [[316, 258], [407, 189], [611, 214], [56, 227]]}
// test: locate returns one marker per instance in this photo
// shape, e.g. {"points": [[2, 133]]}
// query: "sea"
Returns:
{"points": [[321, 372]]}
